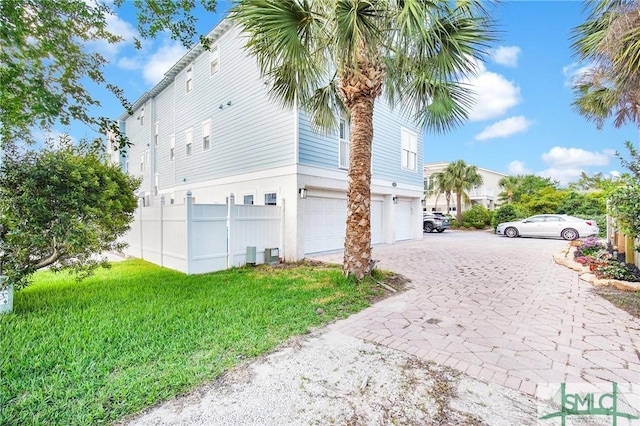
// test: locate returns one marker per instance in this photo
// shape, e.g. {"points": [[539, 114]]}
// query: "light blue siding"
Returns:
{"points": [[321, 150], [249, 133]]}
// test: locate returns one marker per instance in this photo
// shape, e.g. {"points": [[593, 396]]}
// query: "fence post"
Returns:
{"points": [[162, 230], [231, 217], [188, 229]]}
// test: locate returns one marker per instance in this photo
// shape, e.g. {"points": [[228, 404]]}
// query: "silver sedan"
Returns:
{"points": [[549, 225]]}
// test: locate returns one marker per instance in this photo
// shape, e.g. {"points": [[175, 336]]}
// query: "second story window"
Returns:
{"points": [[189, 142], [343, 144], [189, 86], [206, 135], [172, 148], [409, 149], [141, 117], [141, 163], [215, 59]]}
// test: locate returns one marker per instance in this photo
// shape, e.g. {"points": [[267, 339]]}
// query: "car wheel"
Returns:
{"points": [[428, 227], [511, 232], [440, 230], [570, 234]]}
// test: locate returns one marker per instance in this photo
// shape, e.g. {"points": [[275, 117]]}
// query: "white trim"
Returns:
{"points": [[206, 123], [214, 53], [408, 149], [188, 142]]}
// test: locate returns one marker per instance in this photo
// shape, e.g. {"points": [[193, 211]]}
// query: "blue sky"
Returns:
{"points": [[522, 123]]}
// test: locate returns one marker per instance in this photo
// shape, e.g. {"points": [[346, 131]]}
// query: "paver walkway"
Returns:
{"points": [[499, 310]]}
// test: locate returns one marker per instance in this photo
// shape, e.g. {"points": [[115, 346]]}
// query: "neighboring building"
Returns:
{"points": [[211, 127], [485, 195]]}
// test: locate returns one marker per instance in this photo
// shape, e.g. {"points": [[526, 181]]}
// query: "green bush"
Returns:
{"points": [[507, 213], [477, 217]]}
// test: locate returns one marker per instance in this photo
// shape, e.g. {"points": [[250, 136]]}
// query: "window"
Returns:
{"points": [[141, 117], [343, 147], [409, 149], [270, 199], [189, 86], [142, 163], [189, 142], [206, 135], [248, 199], [156, 134], [172, 148], [215, 59]]}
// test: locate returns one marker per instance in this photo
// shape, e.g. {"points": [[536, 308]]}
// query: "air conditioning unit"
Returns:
{"points": [[271, 256]]}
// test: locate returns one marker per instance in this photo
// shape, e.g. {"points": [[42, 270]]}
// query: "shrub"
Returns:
{"points": [[507, 213], [477, 217], [615, 270]]}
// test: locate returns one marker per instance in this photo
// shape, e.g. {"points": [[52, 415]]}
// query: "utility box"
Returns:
{"points": [[251, 255], [271, 256]]}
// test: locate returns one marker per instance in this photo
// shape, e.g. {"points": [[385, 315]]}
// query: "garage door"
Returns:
{"points": [[324, 224], [403, 220], [376, 222]]}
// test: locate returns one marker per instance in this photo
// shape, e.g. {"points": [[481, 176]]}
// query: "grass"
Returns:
{"points": [[92, 352]]}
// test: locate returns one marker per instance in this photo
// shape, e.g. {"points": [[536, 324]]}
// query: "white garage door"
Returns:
{"points": [[325, 224], [403, 220], [376, 222]]}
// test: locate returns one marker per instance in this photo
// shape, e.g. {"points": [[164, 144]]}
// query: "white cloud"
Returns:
{"points": [[563, 175], [494, 95], [130, 63], [560, 157], [516, 168], [574, 72], [161, 61], [119, 27], [506, 55], [504, 128]]}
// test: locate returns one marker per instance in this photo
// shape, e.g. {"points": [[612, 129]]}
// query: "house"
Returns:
{"points": [[485, 195], [210, 127]]}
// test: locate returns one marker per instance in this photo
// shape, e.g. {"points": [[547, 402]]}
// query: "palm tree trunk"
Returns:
{"points": [[459, 207], [357, 245]]}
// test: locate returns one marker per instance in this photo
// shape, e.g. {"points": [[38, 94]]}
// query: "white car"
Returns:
{"points": [[550, 225]]}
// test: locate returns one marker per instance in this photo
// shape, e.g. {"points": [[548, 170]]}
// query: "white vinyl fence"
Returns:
{"points": [[198, 238]]}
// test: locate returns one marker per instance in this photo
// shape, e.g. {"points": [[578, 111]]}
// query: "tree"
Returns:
{"points": [[47, 58], [330, 56], [462, 178], [59, 208], [443, 186], [509, 184], [610, 39], [531, 185], [624, 196]]}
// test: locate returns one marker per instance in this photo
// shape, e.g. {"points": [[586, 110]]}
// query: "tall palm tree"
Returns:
{"points": [[610, 40], [443, 186], [509, 184], [462, 177], [340, 55]]}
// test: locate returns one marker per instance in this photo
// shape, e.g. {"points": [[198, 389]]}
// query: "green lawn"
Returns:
{"points": [[79, 353]]}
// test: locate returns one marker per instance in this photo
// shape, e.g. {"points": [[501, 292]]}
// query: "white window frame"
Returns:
{"points": [[409, 149], [172, 147], [188, 144], [214, 60], [156, 134], [189, 79], [343, 144], [141, 116], [142, 163], [275, 194], [206, 135], [244, 199]]}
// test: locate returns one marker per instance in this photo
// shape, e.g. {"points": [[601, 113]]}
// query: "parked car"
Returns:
{"points": [[549, 225], [437, 221]]}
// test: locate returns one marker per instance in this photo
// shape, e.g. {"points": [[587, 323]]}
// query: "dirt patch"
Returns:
{"points": [[626, 300]]}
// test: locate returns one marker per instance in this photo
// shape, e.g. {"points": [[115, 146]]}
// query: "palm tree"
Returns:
{"points": [[461, 177], [509, 184], [442, 186], [610, 39], [332, 56]]}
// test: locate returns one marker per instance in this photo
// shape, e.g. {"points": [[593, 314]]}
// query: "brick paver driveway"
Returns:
{"points": [[500, 310]]}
